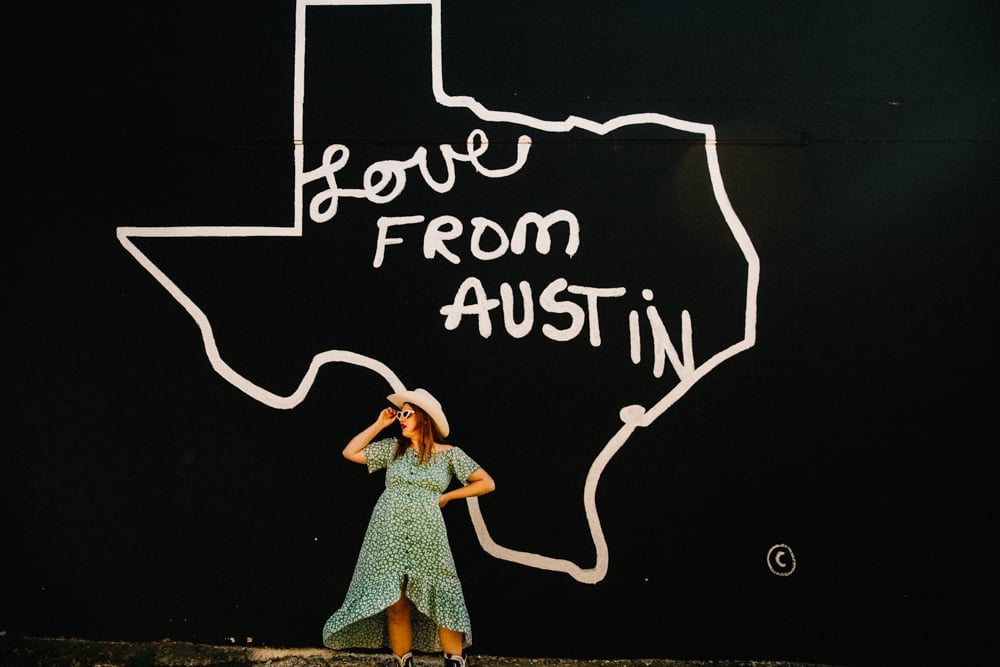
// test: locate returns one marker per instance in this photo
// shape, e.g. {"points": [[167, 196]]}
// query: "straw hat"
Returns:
{"points": [[429, 404]]}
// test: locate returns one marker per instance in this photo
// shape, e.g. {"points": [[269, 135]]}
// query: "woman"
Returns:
{"points": [[405, 586]]}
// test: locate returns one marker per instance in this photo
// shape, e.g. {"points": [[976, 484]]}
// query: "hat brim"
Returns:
{"points": [[426, 402]]}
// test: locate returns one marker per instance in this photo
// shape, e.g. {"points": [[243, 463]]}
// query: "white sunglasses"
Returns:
{"points": [[403, 414]]}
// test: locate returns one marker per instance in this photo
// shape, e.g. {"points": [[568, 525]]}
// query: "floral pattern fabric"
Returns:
{"points": [[406, 539]]}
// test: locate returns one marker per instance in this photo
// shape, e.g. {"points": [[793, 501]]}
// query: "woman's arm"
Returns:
{"points": [[355, 449], [480, 483]]}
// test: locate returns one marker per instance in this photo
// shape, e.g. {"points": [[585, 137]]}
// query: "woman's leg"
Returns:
{"points": [[451, 641], [400, 630]]}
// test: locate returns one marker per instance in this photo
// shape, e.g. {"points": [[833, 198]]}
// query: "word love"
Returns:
{"points": [[385, 180]]}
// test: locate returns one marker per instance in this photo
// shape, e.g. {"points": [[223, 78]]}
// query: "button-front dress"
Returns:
{"points": [[406, 539]]}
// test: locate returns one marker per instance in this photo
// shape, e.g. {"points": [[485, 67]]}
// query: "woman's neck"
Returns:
{"points": [[422, 446]]}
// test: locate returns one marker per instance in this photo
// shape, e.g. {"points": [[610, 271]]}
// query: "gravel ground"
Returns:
{"points": [[61, 652]]}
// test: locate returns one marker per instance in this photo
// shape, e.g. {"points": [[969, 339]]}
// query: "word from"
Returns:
{"points": [[446, 228], [385, 180]]}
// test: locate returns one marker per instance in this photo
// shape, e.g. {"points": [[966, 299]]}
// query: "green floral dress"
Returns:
{"points": [[406, 539]]}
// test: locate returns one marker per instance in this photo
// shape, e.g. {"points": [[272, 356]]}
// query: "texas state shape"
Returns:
{"points": [[520, 247]]}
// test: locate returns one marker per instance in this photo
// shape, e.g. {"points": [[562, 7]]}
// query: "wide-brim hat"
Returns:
{"points": [[426, 402]]}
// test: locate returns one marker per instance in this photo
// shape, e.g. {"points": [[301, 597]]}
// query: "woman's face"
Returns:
{"points": [[408, 425]]}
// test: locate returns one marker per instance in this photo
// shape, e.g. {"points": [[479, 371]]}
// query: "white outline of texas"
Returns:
{"points": [[632, 416]]}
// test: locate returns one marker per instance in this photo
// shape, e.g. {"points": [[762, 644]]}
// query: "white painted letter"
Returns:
{"points": [[435, 236], [453, 312], [334, 158], [384, 223], [543, 242], [507, 297], [663, 347], [592, 294], [635, 349], [479, 225], [478, 143], [547, 301], [383, 174]]}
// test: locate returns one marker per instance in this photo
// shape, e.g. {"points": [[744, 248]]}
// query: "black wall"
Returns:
{"points": [[148, 497]]}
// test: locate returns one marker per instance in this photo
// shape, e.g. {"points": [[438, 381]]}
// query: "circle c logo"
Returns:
{"points": [[781, 560]]}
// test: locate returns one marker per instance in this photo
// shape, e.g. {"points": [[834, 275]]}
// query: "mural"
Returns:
{"points": [[629, 205], [704, 285]]}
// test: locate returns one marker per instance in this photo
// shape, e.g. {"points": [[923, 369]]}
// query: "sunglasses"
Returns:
{"points": [[403, 414]]}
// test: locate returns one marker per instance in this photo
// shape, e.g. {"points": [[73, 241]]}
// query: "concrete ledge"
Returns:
{"points": [[60, 652]]}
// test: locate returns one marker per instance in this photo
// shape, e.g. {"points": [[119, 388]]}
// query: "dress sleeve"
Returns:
{"points": [[378, 454], [462, 465]]}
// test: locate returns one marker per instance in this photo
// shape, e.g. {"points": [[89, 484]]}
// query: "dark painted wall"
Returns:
{"points": [[148, 497]]}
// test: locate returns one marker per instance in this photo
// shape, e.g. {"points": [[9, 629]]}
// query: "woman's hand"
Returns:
{"points": [[355, 449], [386, 417], [479, 483]]}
